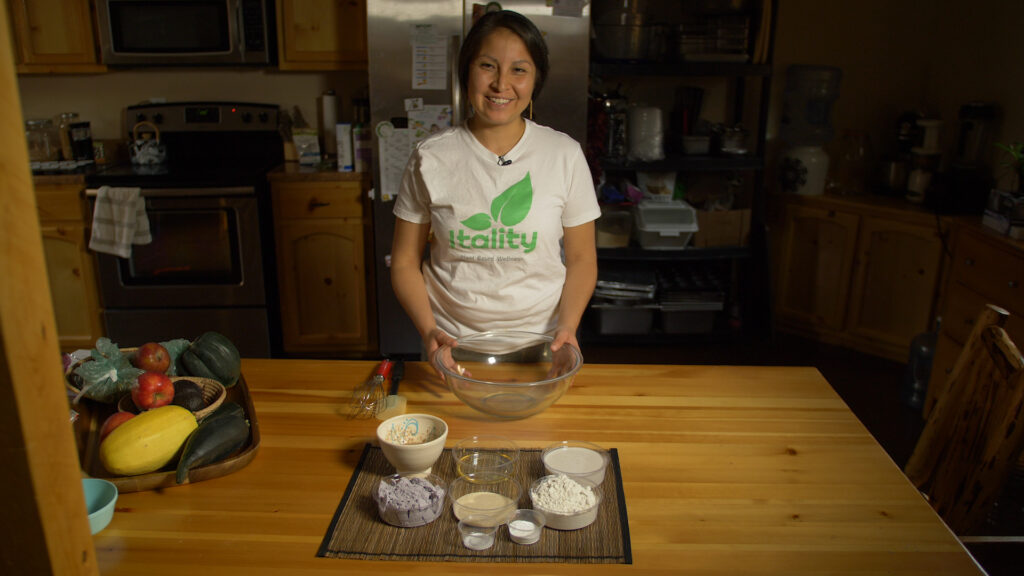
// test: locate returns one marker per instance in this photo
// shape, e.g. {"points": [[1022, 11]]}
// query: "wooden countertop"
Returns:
{"points": [[728, 470], [294, 172], [76, 178]]}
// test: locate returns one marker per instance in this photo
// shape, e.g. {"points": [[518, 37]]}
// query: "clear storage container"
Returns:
{"points": [[614, 227], [665, 225]]}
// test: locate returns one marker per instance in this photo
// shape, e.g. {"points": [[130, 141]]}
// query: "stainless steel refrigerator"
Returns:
{"points": [[413, 48]]}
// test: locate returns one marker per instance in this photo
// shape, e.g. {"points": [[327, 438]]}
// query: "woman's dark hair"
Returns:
{"points": [[521, 26]]}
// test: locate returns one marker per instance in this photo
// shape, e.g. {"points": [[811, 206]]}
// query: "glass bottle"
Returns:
{"points": [[43, 141], [617, 142], [64, 122], [849, 175]]}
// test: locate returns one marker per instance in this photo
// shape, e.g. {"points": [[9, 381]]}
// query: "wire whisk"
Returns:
{"points": [[368, 397]]}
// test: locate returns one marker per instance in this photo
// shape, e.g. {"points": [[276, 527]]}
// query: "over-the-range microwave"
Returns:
{"points": [[187, 32]]}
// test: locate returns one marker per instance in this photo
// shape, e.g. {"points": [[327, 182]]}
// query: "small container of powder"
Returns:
{"points": [[525, 526], [408, 501], [567, 503]]}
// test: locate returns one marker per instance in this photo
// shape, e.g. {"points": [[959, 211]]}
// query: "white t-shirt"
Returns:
{"points": [[496, 256]]}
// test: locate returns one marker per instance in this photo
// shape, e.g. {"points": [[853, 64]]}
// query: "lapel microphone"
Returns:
{"points": [[503, 162]]}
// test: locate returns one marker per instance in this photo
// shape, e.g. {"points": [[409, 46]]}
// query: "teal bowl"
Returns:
{"points": [[100, 496]]}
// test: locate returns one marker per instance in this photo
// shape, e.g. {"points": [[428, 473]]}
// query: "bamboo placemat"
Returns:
{"points": [[357, 532]]}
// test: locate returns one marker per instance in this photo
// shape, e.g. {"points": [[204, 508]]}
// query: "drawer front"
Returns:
{"points": [[962, 308], [996, 274], [60, 202], [318, 200]]}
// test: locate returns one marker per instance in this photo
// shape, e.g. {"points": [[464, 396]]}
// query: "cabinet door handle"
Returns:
{"points": [[314, 204]]}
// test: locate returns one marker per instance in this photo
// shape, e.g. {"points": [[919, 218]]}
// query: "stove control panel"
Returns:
{"points": [[204, 116]]}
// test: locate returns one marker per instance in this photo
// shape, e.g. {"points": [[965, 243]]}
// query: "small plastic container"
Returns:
{"points": [[576, 459], [557, 516], [614, 228], [665, 225], [525, 526], [410, 501], [100, 497], [477, 532]]}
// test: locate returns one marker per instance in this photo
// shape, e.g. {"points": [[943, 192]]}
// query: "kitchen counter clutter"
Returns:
{"points": [[722, 468]]}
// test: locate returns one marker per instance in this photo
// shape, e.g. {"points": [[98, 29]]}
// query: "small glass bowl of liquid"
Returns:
{"points": [[485, 457]]}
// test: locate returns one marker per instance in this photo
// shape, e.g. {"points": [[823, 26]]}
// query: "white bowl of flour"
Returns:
{"points": [[568, 503]]}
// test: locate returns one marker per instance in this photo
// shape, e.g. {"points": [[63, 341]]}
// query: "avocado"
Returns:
{"points": [[188, 395]]}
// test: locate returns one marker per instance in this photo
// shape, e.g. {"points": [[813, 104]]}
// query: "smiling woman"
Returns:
{"points": [[500, 85], [511, 201]]}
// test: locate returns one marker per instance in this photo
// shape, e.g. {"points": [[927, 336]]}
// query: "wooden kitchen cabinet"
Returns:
{"points": [[69, 265], [321, 34], [321, 229], [54, 36], [814, 280], [856, 272], [986, 269], [893, 292]]}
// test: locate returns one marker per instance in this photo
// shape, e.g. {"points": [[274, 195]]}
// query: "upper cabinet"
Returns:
{"points": [[53, 36], [321, 34]]}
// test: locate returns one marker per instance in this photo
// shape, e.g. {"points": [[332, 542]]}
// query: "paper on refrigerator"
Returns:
{"points": [[394, 148], [429, 58], [429, 120]]}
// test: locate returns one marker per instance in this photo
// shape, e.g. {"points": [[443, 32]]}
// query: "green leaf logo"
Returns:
{"points": [[512, 205], [509, 208], [477, 222]]}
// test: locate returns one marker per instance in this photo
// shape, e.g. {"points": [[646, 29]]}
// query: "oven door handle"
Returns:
{"points": [[187, 192]]}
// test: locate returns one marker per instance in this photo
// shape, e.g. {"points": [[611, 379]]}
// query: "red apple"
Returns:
{"points": [[154, 389], [113, 421], [152, 357]]}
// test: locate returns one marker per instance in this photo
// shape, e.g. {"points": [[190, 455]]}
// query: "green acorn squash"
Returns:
{"points": [[213, 355]]}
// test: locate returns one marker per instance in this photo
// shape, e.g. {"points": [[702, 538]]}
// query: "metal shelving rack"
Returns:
{"points": [[755, 297]]}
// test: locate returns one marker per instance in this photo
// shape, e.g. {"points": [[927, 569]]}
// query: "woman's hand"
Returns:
{"points": [[435, 339], [563, 335], [561, 357]]}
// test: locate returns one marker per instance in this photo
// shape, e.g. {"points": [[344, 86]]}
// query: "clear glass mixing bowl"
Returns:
{"points": [[508, 374]]}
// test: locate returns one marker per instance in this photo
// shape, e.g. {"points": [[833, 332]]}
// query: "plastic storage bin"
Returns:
{"points": [[690, 316], [614, 228], [665, 225], [624, 318]]}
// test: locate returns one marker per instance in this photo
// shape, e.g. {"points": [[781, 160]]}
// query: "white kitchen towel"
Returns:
{"points": [[119, 220]]}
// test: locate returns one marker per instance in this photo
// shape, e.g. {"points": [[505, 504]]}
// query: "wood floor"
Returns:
{"points": [[874, 388]]}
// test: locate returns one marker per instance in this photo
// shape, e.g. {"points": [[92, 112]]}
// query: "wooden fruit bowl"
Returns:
{"points": [[213, 396], [93, 414]]}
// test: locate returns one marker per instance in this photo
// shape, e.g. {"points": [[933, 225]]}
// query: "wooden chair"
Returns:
{"points": [[973, 436]]}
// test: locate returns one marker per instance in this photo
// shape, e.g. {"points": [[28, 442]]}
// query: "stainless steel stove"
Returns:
{"points": [[210, 265]]}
